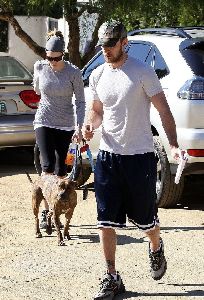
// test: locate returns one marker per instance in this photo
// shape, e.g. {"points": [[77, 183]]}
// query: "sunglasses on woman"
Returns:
{"points": [[57, 58]]}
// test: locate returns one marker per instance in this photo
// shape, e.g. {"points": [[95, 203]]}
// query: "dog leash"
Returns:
{"points": [[73, 159], [85, 148], [76, 159]]}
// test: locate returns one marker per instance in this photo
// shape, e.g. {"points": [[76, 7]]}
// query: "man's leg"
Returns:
{"points": [[154, 236], [111, 284], [110, 210], [108, 240], [158, 264]]}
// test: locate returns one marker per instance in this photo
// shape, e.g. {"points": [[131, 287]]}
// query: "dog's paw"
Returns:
{"points": [[38, 235], [62, 243]]}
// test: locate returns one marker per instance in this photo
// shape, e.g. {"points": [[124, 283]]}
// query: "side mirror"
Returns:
{"points": [[161, 73]]}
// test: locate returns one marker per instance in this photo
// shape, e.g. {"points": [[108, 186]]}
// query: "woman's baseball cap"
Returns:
{"points": [[55, 44], [110, 32]]}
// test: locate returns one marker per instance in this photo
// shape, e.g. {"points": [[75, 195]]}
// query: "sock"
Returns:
{"points": [[157, 250], [114, 276]]}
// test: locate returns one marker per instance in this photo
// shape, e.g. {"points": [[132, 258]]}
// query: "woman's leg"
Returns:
{"points": [[62, 141], [46, 144], [45, 138]]}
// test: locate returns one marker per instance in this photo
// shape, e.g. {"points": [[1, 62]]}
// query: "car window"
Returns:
{"points": [[194, 56], [143, 51], [11, 69], [156, 60], [139, 50], [134, 49]]}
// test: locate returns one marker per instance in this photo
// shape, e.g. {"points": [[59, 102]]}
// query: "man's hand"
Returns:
{"points": [[88, 132], [177, 153]]}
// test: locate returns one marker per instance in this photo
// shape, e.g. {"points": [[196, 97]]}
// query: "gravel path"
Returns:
{"points": [[38, 269]]}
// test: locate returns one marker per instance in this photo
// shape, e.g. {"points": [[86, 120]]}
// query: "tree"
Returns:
{"points": [[133, 13], [7, 8], [72, 11]]}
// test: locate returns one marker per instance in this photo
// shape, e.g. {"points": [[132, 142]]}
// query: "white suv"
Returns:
{"points": [[177, 55]]}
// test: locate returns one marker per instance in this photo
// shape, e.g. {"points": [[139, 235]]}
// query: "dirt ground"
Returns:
{"points": [[38, 269]]}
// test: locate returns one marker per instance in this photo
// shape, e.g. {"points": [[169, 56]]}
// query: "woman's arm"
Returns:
{"points": [[36, 78]]}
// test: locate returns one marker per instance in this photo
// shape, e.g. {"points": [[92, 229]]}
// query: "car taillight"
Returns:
{"points": [[192, 89], [196, 152], [30, 98]]}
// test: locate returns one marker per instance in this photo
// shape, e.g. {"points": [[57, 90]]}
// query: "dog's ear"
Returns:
{"points": [[73, 183], [63, 185], [67, 183]]}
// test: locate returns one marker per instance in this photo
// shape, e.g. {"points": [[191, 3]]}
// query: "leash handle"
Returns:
{"points": [[74, 152]]}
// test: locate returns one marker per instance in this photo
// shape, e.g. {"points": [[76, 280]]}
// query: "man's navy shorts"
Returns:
{"points": [[125, 186]]}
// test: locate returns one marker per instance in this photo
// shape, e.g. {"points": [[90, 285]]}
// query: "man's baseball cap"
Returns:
{"points": [[110, 32]]}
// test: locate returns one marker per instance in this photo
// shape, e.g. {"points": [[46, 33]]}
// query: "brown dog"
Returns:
{"points": [[61, 197]]}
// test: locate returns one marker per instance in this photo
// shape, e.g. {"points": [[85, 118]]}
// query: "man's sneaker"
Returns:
{"points": [[43, 220], [109, 287], [158, 264]]}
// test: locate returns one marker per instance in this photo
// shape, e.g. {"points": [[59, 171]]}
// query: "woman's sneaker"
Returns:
{"points": [[43, 220], [109, 287], [158, 264]]}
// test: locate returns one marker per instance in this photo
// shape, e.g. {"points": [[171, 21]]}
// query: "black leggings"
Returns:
{"points": [[53, 144]]}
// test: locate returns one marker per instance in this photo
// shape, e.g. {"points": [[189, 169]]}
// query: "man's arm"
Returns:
{"points": [[160, 103], [95, 118]]}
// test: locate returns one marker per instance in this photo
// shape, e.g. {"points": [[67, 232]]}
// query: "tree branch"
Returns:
{"points": [[8, 17]]}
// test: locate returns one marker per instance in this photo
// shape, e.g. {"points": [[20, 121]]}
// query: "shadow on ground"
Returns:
{"points": [[20, 160], [16, 161], [192, 197]]}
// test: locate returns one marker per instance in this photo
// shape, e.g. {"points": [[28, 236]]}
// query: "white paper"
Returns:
{"points": [[180, 168]]}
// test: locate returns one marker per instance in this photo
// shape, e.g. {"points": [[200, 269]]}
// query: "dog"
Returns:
{"points": [[61, 197]]}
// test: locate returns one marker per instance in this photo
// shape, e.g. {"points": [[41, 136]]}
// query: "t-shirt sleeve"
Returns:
{"points": [[93, 79], [79, 96], [36, 77], [150, 82]]}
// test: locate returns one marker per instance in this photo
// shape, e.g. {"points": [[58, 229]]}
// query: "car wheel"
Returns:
{"points": [[82, 173], [168, 193]]}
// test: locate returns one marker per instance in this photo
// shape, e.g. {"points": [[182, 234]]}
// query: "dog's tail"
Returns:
{"points": [[29, 178]]}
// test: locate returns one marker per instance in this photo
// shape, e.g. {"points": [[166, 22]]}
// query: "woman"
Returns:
{"points": [[56, 80]]}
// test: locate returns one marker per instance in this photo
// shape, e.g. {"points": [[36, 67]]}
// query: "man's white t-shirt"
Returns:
{"points": [[125, 93]]}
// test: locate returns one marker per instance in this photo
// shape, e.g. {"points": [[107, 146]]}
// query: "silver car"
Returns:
{"points": [[18, 104]]}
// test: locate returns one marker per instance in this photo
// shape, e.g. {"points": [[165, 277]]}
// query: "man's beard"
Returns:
{"points": [[114, 59]]}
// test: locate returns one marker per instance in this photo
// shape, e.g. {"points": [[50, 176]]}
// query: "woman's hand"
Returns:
{"points": [[77, 136]]}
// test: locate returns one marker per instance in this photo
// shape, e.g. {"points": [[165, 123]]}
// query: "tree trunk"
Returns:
{"points": [[74, 38], [22, 34]]}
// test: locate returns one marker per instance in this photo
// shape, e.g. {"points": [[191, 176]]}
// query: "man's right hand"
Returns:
{"points": [[88, 132]]}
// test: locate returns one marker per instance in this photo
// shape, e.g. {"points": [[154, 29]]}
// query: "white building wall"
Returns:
{"points": [[64, 28], [36, 28]]}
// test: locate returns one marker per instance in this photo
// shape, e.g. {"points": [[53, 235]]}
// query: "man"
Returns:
{"points": [[125, 174]]}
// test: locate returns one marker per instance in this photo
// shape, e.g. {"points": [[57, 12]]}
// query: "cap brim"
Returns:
{"points": [[107, 42]]}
